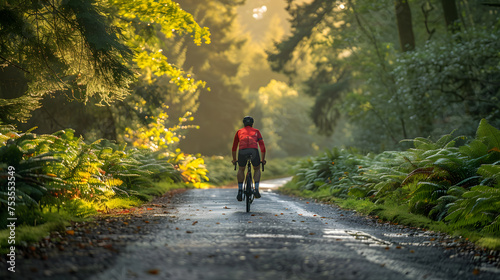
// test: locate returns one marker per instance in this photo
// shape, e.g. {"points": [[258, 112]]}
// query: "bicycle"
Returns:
{"points": [[248, 190]]}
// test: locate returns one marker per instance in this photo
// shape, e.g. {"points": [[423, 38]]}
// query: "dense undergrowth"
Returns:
{"points": [[47, 180], [452, 184]]}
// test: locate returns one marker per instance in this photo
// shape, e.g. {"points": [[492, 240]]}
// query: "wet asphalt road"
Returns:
{"points": [[212, 237]]}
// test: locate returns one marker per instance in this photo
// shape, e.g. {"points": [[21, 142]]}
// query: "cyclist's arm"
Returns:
{"points": [[262, 148], [234, 156], [235, 146]]}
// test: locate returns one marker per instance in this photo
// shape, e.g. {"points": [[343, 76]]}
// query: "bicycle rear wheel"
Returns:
{"points": [[248, 193]]}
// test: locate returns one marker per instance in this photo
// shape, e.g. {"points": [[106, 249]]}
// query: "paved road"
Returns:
{"points": [[212, 237]]}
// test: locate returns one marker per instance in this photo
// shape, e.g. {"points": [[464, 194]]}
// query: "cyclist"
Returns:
{"points": [[248, 138]]}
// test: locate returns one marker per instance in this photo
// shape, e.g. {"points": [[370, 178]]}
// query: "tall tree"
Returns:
{"points": [[405, 25], [450, 15]]}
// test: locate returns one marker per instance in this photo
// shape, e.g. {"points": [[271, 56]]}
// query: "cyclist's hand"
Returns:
{"points": [[264, 162], [234, 162]]}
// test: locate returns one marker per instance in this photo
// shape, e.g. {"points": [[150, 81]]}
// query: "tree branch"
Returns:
{"points": [[15, 65]]}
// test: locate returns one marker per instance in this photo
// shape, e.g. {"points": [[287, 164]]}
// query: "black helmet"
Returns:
{"points": [[247, 121]]}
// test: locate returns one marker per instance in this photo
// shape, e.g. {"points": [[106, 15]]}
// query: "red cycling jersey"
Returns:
{"points": [[248, 137]]}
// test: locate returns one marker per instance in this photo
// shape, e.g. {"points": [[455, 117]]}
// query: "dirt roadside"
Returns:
{"points": [[88, 247]]}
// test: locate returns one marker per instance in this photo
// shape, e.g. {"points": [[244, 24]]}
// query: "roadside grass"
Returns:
{"points": [[58, 220], [391, 212]]}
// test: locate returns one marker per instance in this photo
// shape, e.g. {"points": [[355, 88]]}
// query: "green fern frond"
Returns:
{"points": [[493, 228]]}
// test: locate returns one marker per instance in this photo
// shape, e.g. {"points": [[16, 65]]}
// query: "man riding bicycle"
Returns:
{"points": [[248, 138]]}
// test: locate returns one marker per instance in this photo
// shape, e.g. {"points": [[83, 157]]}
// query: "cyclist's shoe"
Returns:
{"points": [[239, 197], [256, 194]]}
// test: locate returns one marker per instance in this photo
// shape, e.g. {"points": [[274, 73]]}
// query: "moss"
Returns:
{"points": [[24, 233]]}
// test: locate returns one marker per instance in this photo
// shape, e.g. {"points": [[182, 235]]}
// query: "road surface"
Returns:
{"points": [[210, 236]]}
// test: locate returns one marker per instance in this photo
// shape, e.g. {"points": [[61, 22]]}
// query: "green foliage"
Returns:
{"points": [[347, 56], [459, 185], [89, 50], [61, 172]]}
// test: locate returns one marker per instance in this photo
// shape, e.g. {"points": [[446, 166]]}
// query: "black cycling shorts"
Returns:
{"points": [[243, 155]]}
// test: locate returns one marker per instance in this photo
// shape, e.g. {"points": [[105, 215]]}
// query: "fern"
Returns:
{"points": [[488, 134], [478, 208]]}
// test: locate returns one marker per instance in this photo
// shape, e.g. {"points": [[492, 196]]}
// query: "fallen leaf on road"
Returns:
{"points": [[217, 223], [312, 233], [153, 271], [225, 207], [476, 271], [412, 251], [195, 222], [70, 232], [147, 222], [188, 231], [125, 223], [387, 248], [398, 247], [149, 208], [252, 215], [249, 222], [176, 228]]}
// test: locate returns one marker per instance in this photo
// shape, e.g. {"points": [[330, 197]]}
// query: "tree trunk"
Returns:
{"points": [[450, 15], [405, 28]]}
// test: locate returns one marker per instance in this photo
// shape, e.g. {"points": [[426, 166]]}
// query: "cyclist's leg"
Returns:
{"points": [[256, 179], [240, 176], [256, 173]]}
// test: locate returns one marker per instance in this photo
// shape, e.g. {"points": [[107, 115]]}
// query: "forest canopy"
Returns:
{"points": [[90, 51], [394, 69]]}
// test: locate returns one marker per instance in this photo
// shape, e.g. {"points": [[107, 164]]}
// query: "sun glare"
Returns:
{"points": [[258, 13]]}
